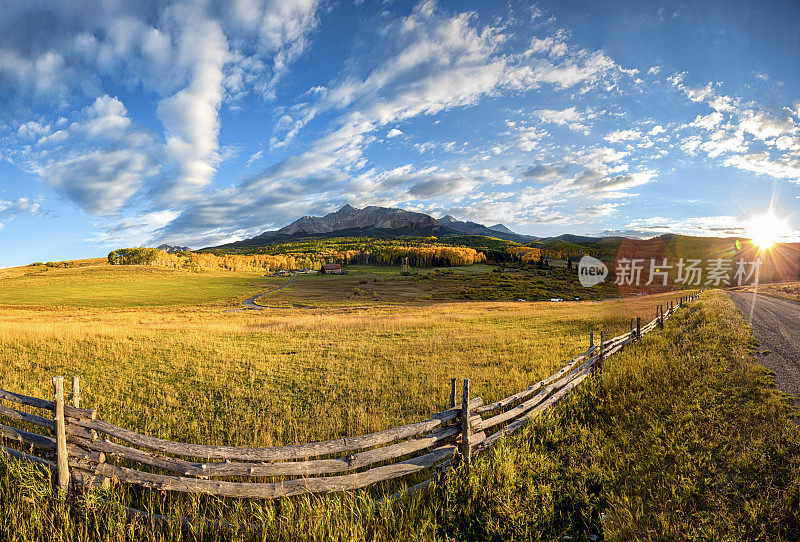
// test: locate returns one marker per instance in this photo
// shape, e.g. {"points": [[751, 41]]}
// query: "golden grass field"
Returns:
{"points": [[783, 290], [193, 371], [678, 434]]}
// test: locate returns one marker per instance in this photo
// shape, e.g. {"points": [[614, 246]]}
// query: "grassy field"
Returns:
{"points": [[680, 437], [297, 374], [107, 286], [386, 285], [99, 285], [670, 435]]}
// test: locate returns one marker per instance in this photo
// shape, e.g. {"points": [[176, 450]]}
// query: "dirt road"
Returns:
{"points": [[250, 302], [776, 324]]}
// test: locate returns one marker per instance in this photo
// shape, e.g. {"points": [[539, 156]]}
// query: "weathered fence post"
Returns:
{"points": [[638, 327], [76, 391], [465, 429], [61, 434], [661, 316], [591, 339], [452, 392], [599, 363]]}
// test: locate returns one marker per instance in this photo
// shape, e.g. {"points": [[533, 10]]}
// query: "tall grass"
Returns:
{"points": [[782, 290], [201, 375], [679, 437]]}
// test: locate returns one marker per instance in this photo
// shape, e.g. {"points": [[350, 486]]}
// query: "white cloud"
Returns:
{"points": [[269, 35], [98, 162], [437, 185], [785, 143], [569, 117], [436, 62], [190, 115], [193, 55], [394, 132], [553, 46], [602, 210], [720, 143], [43, 74], [137, 230], [545, 172], [101, 182], [700, 93], [623, 182], [723, 104], [763, 163], [691, 145], [256, 156], [708, 122], [623, 135], [764, 126], [9, 210], [529, 138], [32, 129], [706, 226]]}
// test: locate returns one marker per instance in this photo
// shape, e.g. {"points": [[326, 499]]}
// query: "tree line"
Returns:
{"points": [[416, 256]]}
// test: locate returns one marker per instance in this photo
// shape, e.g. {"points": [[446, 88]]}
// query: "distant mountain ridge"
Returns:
{"points": [[473, 228], [382, 222], [348, 217], [170, 248]]}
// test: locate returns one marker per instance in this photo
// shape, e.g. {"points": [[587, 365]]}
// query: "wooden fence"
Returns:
{"points": [[84, 451]]}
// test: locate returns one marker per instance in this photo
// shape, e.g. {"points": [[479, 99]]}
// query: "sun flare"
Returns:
{"points": [[766, 230]]}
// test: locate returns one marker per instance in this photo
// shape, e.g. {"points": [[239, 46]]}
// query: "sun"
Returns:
{"points": [[766, 230]]}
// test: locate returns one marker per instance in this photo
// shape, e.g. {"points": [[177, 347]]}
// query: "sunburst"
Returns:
{"points": [[766, 230]]}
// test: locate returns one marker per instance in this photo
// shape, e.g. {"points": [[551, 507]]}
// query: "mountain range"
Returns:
{"points": [[171, 248], [383, 222], [380, 222]]}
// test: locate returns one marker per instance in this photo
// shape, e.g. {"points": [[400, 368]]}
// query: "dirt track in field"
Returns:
{"points": [[250, 302]]}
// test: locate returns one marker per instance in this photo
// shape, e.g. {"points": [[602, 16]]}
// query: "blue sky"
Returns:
{"points": [[196, 123]]}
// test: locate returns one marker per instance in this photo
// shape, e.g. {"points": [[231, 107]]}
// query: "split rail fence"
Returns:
{"points": [[84, 452]]}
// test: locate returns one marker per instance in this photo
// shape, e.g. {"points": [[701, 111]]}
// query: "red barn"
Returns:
{"points": [[332, 269]]}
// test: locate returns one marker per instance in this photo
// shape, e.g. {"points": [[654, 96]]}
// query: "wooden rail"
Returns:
{"points": [[74, 450]]}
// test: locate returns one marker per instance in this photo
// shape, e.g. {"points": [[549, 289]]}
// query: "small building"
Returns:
{"points": [[332, 269]]}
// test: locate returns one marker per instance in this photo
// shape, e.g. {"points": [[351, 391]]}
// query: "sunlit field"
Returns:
{"points": [[171, 353], [594, 465], [204, 374], [102, 285], [782, 290]]}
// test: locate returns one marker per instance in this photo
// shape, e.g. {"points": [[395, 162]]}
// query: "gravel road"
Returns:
{"points": [[776, 324], [250, 302]]}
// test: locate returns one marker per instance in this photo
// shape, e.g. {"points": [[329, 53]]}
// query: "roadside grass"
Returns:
{"points": [[680, 438], [697, 442], [781, 290]]}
